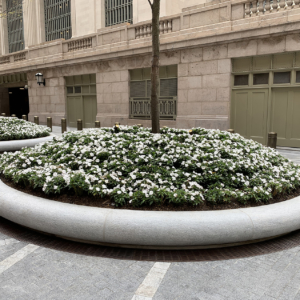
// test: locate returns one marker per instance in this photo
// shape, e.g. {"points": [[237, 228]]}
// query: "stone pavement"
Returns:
{"points": [[30, 270]]}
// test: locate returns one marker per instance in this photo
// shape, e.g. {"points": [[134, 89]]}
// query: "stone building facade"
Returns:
{"points": [[209, 44]]}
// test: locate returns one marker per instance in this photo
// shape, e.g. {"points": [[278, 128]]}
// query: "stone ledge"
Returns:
{"points": [[150, 229], [15, 145]]}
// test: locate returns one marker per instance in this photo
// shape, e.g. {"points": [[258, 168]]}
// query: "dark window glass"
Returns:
{"points": [[15, 28], [282, 77], [241, 79], [69, 90], [77, 89], [298, 76], [262, 78], [58, 19]]}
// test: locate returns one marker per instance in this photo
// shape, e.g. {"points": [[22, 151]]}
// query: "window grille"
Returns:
{"points": [[15, 25], [118, 11], [58, 19]]}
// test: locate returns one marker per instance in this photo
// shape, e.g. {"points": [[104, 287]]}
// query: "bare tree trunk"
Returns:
{"points": [[155, 6]]}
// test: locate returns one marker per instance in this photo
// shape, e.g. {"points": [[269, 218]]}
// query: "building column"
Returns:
{"points": [[33, 22], [3, 30]]}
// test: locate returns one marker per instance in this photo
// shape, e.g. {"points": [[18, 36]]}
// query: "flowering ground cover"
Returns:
{"points": [[132, 166], [16, 129]]}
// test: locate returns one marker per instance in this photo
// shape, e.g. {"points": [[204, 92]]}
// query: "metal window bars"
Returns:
{"points": [[118, 11], [15, 27], [58, 19]]}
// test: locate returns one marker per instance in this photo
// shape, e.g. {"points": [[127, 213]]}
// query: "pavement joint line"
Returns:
{"points": [[17, 256], [8, 242], [152, 281]]}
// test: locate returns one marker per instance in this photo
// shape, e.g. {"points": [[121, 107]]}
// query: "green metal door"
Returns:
{"points": [[89, 111], [75, 110], [285, 112], [249, 111], [84, 108]]}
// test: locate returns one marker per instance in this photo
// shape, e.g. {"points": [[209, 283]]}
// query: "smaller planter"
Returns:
{"points": [[15, 145]]}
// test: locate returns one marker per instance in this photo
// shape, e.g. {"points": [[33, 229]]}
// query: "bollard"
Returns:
{"points": [[3, 114], [230, 130], [13, 116], [117, 123], [79, 124], [272, 139], [36, 120], [63, 125], [24, 117], [97, 124], [49, 123]]}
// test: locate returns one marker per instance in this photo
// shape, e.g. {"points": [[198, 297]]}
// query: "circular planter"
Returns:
{"points": [[15, 145], [150, 229]]}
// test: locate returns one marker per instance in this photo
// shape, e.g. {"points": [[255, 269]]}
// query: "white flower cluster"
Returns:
{"points": [[16, 129], [132, 165]]}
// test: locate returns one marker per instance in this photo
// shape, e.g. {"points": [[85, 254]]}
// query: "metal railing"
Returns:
{"points": [[140, 108]]}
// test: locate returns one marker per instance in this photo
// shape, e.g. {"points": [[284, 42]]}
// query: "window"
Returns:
{"points": [[298, 77], [58, 19], [282, 77], [15, 25], [241, 79], [262, 78], [118, 11], [140, 93]]}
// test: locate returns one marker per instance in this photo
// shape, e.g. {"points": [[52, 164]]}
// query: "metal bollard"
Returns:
{"points": [[24, 117], [63, 125], [272, 139], [36, 120], [13, 116], [79, 124], [97, 124], [230, 130], [3, 114], [49, 123]]}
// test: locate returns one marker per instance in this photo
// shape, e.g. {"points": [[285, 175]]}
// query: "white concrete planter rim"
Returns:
{"points": [[14, 145], [150, 229]]}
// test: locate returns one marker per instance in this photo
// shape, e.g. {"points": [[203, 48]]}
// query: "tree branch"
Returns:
{"points": [[150, 3]]}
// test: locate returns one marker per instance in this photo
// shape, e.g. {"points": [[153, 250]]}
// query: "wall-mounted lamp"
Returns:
{"points": [[39, 78], [26, 87]]}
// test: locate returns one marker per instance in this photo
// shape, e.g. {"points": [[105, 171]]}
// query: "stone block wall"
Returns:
{"points": [[49, 100]]}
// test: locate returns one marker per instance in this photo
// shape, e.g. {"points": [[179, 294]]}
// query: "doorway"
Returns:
{"points": [[18, 101]]}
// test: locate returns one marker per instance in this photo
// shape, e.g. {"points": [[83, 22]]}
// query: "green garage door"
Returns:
{"points": [[81, 100], [84, 108], [285, 116], [249, 113]]}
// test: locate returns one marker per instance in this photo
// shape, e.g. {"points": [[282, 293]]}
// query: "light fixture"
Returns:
{"points": [[26, 87], [10, 92], [21, 88], [39, 78]]}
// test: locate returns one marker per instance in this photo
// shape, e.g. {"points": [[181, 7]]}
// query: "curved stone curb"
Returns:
{"points": [[15, 145], [150, 229]]}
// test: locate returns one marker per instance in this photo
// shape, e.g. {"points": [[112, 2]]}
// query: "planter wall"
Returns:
{"points": [[15, 145], [149, 229]]}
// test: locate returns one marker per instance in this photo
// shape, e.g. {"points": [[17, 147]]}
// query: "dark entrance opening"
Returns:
{"points": [[18, 102]]}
